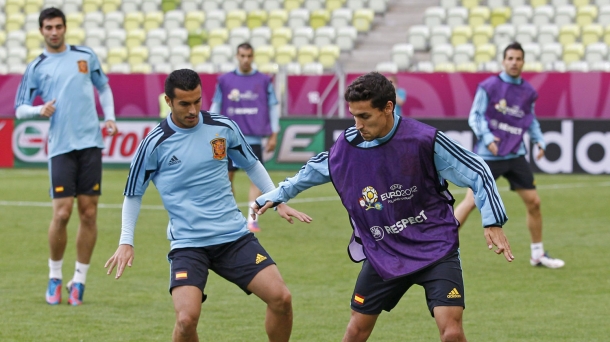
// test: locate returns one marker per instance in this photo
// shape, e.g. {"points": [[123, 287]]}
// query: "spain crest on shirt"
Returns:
{"points": [[219, 148], [83, 67]]}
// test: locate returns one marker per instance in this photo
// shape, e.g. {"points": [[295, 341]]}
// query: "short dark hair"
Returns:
{"points": [[372, 86], [50, 13], [514, 46], [244, 45], [183, 79]]}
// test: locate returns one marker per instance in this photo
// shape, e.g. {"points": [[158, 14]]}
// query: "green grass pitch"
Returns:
{"points": [[504, 302]]}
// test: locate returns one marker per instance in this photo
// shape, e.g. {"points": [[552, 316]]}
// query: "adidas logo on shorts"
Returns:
{"points": [[174, 160], [454, 294]]}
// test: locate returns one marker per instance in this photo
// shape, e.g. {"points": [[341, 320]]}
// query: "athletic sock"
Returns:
{"points": [[55, 269], [250, 212], [80, 273], [537, 250]]}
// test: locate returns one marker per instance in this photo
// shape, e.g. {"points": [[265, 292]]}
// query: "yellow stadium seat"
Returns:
{"points": [[91, 5], [200, 54], [141, 68], [444, 67], [135, 38], [197, 37], [110, 5], [75, 36], [538, 3], [218, 37], [32, 6], [592, 34], [277, 18], [307, 54], [499, 16], [285, 54], [133, 20], [484, 53], [289, 5], [3, 37], [466, 67], [482, 34], [33, 40], [579, 3], [269, 68], [461, 35], [194, 20], [137, 55], [281, 36], [152, 20], [478, 16], [235, 18], [586, 15], [32, 54], [573, 52], [470, 3], [329, 55], [117, 55], [256, 19], [14, 22], [13, 6], [264, 54], [74, 20], [332, 5], [533, 67], [362, 19], [319, 18], [169, 5], [568, 34], [607, 35]]}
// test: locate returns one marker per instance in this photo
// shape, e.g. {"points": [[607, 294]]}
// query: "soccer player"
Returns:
{"points": [[247, 97], [502, 112], [391, 175], [401, 95], [186, 157], [64, 76]]}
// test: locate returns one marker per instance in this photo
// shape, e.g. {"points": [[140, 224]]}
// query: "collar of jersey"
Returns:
{"points": [[56, 54], [244, 74], [383, 139], [509, 79], [173, 126]]}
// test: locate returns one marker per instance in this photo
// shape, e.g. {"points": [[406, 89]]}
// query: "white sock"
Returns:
{"points": [[55, 269], [537, 250], [250, 212], [80, 273]]}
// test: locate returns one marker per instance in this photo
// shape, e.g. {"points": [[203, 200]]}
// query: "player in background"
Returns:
{"points": [[401, 96], [247, 97], [64, 76], [502, 112], [186, 158], [391, 175]]}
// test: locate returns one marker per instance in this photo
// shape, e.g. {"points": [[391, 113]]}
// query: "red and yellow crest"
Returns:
{"points": [[219, 148], [83, 66]]}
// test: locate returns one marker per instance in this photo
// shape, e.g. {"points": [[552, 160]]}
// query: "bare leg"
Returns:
{"points": [[269, 286], [360, 327], [187, 305], [58, 236], [463, 209], [449, 322], [534, 217], [87, 230]]}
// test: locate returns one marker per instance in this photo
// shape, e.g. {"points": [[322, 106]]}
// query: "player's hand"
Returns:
{"points": [[287, 213], [493, 147], [495, 236], [111, 128], [540, 152], [48, 109], [271, 143], [123, 256], [260, 210]]}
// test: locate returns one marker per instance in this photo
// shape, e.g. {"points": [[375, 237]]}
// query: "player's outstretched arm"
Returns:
{"points": [[495, 236], [123, 256]]}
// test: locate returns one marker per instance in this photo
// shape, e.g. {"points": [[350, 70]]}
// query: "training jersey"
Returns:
{"points": [[481, 126], [189, 169], [401, 94], [68, 78]]}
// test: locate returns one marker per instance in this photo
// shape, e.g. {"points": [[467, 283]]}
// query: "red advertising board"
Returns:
{"points": [[6, 149]]}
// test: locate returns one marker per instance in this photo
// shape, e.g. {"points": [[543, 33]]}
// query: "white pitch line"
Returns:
{"points": [[303, 200]]}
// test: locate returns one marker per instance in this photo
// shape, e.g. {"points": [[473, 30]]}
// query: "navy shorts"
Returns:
{"points": [[258, 152], [238, 261], [78, 172], [516, 170], [442, 282]]}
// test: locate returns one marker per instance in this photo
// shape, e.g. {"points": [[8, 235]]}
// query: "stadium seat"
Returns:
{"points": [[522, 15], [193, 20], [95, 37], [312, 69], [113, 21], [93, 20], [607, 35], [461, 35], [2, 21], [150, 5], [386, 67], [137, 55], [533, 67], [341, 17], [177, 37], [601, 2], [120, 68], [200, 54], [578, 66], [18, 68], [551, 53], [463, 53], [221, 54], [418, 36], [526, 33], [329, 55], [313, 5], [31, 22], [256, 18], [363, 19], [355, 4], [32, 6], [269, 68], [470, 3], [173, 19], [307, 54], [115, 38], [302, 36], [13, 6], [532, 52], [264, 54], [187, 65], [290, 5], [600, 66], [298, 18], [260, 36], [478, 16], [15, 39], [205, 68], [218, 36], [272, 5], [378, 6], [2, 54], [346, 36], [197, 37], [434, 16], [573, 52], [231, 5], [110, 6], [424, 66], [153, 20], [402, 54], [252, 5], [596, 52], [33, 39], [537, 3], [293, 68], [71, 6], [101, 52], [281, 36], [558, 3], [499, 16], [285, 54], [214, 20], [543, 15], [495, 4], [457, 16], [504, 35], [235, 18], [15, 55], [179, 54], [564, 15], [158, 54], [332, 5], [169, 5], [569, 34], [548, 34], [116, 55], [491, 66], [604, 15], [156, 37], [140, 68], [190, 6], [444, 67], [581, 3], [133, 21], [441, 53], [482, 34], [239, 35], [319, 18], [74, 20], [278, 17], [211, 5], [128, 6], [586, 15], [134, 38], [592, 34], [2, 39], [484, 53], [91, 6], [325, 36], [466, 67], [75, 36], [440, 35]]}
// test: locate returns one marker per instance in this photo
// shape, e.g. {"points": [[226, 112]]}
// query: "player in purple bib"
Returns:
{"points": [[391, 175]]}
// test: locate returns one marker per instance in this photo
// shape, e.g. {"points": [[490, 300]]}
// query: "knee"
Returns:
{"points": [[358, 332], [62, 214], [453, 334], [282, 302], [533, 206], [186, 323], [88, 214]]}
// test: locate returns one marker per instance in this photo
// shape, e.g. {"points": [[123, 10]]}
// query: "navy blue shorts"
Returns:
{"points": [[238, 261], [516, 170], [442, 281], [78, 172], [258, 152]]}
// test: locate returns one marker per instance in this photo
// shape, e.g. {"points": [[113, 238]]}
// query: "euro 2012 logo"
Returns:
{"points": [[234, 95], [369, 199]]}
